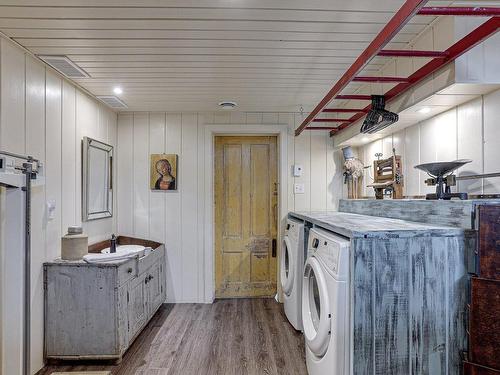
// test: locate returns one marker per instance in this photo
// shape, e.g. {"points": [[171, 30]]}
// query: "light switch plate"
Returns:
{"points": [[299, 188], [51, 210], [297, 170]]}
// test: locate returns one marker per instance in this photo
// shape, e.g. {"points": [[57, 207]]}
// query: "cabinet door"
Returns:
{"points": [[137, 305], [155, 287]]}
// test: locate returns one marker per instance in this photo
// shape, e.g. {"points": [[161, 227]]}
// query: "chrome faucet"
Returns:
{"points": [[112, 247]]}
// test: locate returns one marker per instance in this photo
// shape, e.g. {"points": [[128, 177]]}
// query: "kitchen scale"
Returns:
{"points": [[442, 177]]}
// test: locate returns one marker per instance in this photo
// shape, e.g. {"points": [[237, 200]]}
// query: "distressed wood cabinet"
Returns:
{"points": [[95, 311]]}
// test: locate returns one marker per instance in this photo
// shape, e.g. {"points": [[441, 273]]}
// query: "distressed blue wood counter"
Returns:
{"points": [[407, 293]]}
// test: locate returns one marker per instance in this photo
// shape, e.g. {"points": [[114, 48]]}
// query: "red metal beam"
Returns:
{"points": [[343, 110], [475, 37], [460, 11], [330, 120], [353, 97], [380, 79], [320, 128], [411, 53], [397, 22]]}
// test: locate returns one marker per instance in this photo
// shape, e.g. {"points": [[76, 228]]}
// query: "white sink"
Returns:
{"points": [[130, 249], [122, 252]]}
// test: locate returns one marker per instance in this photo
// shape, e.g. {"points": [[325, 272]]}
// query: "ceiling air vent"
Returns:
{"points": [[112, 101], [65, 66]]}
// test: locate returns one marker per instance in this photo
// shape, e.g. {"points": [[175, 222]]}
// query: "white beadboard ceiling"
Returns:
{"points": [[186, 55]]}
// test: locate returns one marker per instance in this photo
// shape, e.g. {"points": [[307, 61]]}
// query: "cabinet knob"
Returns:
{"points": [[129, 270]]}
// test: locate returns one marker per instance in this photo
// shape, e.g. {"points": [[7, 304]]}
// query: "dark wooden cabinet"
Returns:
{"points": [[483, 357]]}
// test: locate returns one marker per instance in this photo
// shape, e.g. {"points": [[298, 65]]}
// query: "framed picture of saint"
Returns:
{"points": [[163, 172]]}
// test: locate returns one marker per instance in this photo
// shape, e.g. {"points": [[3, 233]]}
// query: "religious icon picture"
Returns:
{"points": [[163, 172]]}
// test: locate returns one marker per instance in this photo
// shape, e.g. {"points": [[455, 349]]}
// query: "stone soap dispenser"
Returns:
{"points": [[75, 244]]}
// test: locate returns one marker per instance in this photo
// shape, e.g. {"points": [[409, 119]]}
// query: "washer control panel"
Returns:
{"points": [[293, 228], [331, 249]]}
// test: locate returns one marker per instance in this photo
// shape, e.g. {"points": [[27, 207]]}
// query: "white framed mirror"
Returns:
{"points": [[97, 179]]}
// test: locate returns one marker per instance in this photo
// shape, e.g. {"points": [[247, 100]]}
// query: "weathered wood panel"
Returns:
{"points": [[95, 311], [362, 305], [408, 293], [489, 242], [485, 322], [73, 319], [455, 213]]}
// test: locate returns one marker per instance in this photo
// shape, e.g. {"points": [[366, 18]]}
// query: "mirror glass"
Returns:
{"points": [[97, 192]]}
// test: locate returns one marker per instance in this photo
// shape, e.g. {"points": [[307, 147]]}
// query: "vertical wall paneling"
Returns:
{"points": [[412, 158], [470, 144], [201, 207], [69, 156], [178, 217], [491, 110], [35, 131], [156, 198], [318, 165], [125, 174], [189, 205], [253, 118], [303, 157], [45, 116], [53, 162], [141, 175], [12, 88], [289, 118], [173, 230]]}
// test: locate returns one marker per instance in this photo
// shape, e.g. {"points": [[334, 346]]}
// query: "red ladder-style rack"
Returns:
{"points": [[438, 59]]}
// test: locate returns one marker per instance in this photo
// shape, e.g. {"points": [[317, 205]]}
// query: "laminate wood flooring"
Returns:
{"points": [[228, 337]]}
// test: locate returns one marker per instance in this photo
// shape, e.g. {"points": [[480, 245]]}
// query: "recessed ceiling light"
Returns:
{"points": [[118, 90], [424, 110], [226, 104]]}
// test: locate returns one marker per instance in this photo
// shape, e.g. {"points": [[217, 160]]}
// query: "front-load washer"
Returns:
{"points": [[291, 267], [325, 304]]}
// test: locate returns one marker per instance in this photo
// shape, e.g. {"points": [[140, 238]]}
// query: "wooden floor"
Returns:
{"points": [[231, 336]]}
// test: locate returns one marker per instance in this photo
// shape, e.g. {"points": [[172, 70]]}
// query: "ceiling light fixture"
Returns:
{"points": [[424, 110], [118, 90], [227, 105]]}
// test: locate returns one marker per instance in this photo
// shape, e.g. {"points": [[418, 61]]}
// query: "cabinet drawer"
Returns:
{"points": [[127, 271], [151, 259]]}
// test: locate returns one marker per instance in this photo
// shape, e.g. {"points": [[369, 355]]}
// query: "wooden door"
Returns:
{"points": [[246, 196]]}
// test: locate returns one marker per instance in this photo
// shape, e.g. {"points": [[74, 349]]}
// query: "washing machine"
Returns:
{"points": [[325, 304], [291, 267]]}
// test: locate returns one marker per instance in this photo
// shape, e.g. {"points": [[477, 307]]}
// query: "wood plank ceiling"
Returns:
{"points": [[187, 55]]}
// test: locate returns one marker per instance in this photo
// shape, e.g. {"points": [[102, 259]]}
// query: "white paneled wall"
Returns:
{"points": [[177, 217], [45, 116], [469, 131]]}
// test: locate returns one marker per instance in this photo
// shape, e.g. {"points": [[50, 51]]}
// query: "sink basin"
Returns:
{"points": [[131, 249], [122, 252]]}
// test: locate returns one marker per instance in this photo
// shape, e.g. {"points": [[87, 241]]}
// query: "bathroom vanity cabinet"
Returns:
{"points": [[95, 311]]}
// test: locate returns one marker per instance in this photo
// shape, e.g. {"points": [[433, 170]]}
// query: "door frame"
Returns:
{"points": [[282, 132]]}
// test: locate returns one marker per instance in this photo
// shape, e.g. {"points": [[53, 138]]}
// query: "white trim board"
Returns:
{"points": [[236, 129]]}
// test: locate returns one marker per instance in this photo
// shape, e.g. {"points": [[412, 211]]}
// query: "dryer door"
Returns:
{"points": [[315, 307], [287, 266]]}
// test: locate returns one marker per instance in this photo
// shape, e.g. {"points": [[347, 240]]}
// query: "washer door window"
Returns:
{"points": [[315, 308], [287, 266]]}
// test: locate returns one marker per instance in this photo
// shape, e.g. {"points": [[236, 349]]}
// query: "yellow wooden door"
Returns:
{"points": [[246, 193]]}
